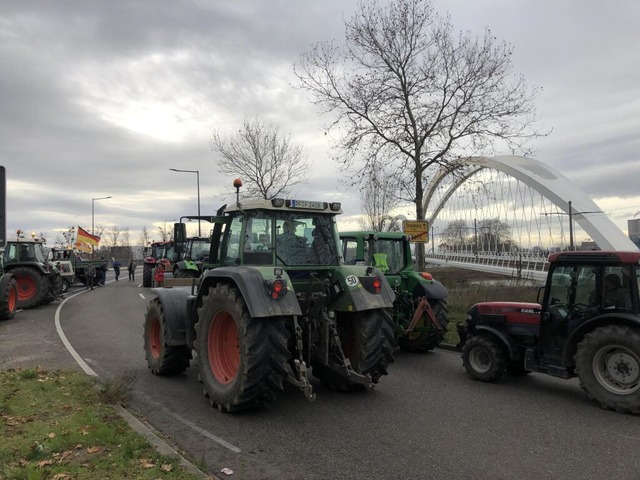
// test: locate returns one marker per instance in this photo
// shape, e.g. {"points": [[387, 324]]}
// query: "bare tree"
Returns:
{"points": [[144, 237], [406, 87], [126, 237], [268, 162], [378, 200], [114, 234]]}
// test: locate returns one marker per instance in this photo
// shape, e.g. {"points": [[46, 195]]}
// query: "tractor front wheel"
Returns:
{"points": [[608, 366], [8, 299], [484, 358], [242, 360], [147, 275], [162, 359]]}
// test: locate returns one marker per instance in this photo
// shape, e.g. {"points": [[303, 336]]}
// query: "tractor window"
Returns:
{"points": [[304, 239], [388, 255], [350, 252], [616, 288], [230, 254], [258, 245]]}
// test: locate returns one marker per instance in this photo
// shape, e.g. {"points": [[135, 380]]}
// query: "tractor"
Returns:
{"points": [[420, 310], [276, 304], [587, 325], [192, 258], [38, 280], [162, 253]]}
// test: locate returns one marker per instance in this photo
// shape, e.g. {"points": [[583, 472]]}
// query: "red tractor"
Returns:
{"points": [[158, 252], [587, 325]]}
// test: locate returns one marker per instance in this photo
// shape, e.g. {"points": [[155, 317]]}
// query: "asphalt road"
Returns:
{"points": [[424, 420]]}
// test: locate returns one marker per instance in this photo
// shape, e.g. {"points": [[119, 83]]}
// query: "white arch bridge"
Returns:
{"points": [[507, 213]]}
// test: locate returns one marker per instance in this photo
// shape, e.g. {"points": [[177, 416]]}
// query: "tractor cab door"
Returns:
{"points": [[570, 298]]}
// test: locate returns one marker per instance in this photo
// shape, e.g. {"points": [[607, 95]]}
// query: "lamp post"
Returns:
{"points": [[197, 172], [93, 202], [571, 214]]}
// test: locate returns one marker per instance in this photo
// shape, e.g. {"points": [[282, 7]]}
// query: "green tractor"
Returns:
{"points": [[276, 304], [191, 253], [38, 280], [420, 309]]}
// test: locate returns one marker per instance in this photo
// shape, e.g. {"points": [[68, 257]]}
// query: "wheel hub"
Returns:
{"points": [[617, 368], [480, 360]]}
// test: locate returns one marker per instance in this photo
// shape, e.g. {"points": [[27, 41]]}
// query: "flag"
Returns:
{"points": [[86, 238]]}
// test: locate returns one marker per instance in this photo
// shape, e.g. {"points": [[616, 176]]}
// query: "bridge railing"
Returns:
{"points": [[517, 264]]}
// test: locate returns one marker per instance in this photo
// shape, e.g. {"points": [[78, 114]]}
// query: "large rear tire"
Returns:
{"points": [[427, 340], [147, 275], [185, 273], [608, 366], [242, 361], [33, 286], [484, 358], [368, 341], [9, 299], [162, 359]]}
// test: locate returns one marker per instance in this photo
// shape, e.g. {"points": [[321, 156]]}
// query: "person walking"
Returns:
{"points": [[89, 273], [116, 267], [102, 273], [132, 270]]}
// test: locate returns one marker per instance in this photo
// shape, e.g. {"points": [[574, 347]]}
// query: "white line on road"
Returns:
{"points": [[87, 369], [142, 296]]}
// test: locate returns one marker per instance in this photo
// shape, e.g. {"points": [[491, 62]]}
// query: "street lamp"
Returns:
{"points": [[197, 172], [571, 214], [93, 201]]}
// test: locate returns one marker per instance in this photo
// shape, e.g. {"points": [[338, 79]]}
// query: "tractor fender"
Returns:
{"points": [[433, 290], [35, 265], [175, 306], [251, 283], [4, 280], [512, 347], [619, 318]]}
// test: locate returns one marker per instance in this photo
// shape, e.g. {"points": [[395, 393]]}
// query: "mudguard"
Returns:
{"points": [[512, 347], [175, 306], [355, 297], [251, 283], [433, 290]]}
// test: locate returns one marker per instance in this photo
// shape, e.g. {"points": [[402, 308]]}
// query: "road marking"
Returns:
{"points": [[142, 296], [198, 429], [87, 369]]}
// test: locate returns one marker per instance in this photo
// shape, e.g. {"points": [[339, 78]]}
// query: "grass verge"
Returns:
{"points": [[57, 425]]}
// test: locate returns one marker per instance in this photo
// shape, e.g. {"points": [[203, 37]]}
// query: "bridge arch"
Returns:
{"points": [[545, 180]]}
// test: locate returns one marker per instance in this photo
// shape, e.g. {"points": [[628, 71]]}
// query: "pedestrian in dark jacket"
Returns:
{"points": [[89, 273], [102, 273], [116, 267], [132, 270]]}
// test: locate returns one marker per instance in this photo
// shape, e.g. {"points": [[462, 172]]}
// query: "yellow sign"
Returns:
{"points": [[416, 230]]}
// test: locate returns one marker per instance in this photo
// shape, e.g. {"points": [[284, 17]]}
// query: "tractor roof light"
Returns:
{"points": [[277, 202], [335, 206], [237, 183]]}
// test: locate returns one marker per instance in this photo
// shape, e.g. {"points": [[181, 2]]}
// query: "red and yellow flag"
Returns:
{"points": [[84, 239]]}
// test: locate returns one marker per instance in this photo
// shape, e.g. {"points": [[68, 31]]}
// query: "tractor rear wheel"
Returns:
{"points": [[484, 358], [242, 361], [162, 359], [33, 286], [147, 275], [608, 366], [427, 340], [368, 341], [9, 299]]}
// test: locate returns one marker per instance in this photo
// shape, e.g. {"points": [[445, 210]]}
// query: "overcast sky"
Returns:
{"points": [[102, 98]]}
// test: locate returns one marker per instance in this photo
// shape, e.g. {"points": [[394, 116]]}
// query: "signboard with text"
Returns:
{"points": [[416, 230]]}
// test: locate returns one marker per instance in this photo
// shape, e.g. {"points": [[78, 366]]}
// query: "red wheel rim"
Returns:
{"points": [[13, 299], [155, 343], [27, 287], [223, 347]]}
